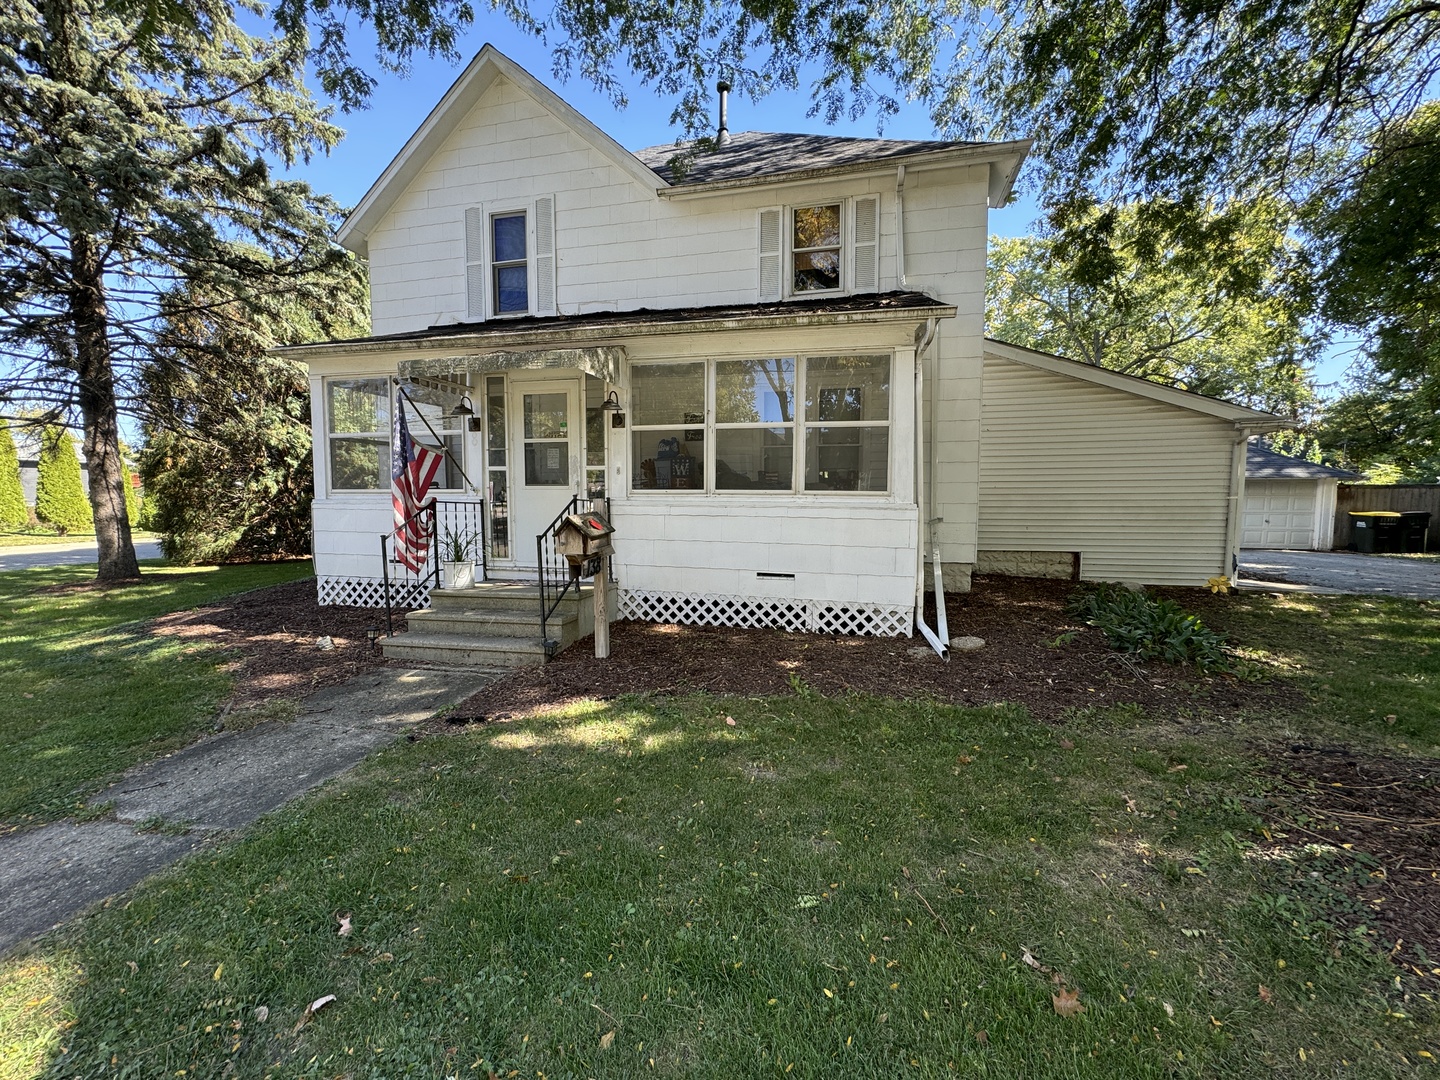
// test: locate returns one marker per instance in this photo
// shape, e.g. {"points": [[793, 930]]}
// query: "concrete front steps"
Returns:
{"points": [[492, 626]]}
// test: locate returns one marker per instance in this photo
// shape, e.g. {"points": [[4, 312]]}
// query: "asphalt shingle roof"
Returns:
{"points": [[765, 153], [1263, 464]]}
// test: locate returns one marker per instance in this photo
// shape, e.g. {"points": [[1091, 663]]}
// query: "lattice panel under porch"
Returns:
{"points": [[800, 616], [370, 592]]}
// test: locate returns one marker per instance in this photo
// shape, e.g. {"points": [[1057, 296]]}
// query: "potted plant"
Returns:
{"points": [[457, 557]]}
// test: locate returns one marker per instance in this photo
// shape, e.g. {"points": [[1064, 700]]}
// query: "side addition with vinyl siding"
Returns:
{"points": [[1139, 488]]}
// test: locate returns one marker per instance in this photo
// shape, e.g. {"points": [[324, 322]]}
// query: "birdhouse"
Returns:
{"points": [[583, 539]]}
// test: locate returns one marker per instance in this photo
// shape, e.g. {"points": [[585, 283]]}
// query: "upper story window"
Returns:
{"points": [[829, 247], [816, 248], [510, 267], [510, 259]]}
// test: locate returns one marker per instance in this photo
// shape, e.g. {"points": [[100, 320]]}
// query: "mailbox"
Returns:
{"points": [[583, 539]]}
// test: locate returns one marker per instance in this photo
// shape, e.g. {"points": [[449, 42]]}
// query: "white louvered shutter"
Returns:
{"points": [[545, 255], [475, 276], [771, 253], [866, 248]]}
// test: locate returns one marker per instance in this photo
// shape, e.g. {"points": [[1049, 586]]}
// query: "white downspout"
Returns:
{"points": [[900, 234], [940, 641], [1234, 511]]}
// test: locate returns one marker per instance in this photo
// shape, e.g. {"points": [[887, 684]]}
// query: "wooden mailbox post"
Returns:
{"points": [[584, 540]]}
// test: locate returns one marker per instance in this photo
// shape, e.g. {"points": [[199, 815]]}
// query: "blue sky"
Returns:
{"points": [[399, 104]]}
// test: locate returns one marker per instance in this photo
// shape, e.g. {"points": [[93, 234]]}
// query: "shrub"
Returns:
{"points": [[1136, 622], [59, 495], [13, 513]]}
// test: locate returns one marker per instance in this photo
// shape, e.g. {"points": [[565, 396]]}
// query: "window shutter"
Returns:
{"points": [[771, 253], [545, 255], [475, 276], [866, 257]]}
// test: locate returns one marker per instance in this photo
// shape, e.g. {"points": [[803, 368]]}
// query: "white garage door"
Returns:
{"points": [[1278, 514]]}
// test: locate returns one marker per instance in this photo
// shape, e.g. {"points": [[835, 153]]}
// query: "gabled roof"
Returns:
{"points": [[762, 158], [1265, 464], [489, 64], [1241, 416]]}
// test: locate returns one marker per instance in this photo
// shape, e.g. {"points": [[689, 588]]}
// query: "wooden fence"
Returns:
{"points": [[1401, 497]]}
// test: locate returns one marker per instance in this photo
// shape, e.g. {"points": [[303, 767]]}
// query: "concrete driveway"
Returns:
{"points": [[1342, 572], [77, 554]]}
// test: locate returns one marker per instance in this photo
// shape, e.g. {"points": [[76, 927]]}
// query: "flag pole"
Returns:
{"points": [[400, 392]]}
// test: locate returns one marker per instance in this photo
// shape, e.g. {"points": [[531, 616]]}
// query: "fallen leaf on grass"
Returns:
{"points": [[1029, 960], [311, 1009], [1130, 805], [1169, 1009], [964, 759], [262, 1013], [1067, 1002], [607, 1040], [344, 921], [1066, 744], [133, 966], [729, 721], [1265, 995], [1177, 768], [218, 972], [383, 958], [982, 1037]]}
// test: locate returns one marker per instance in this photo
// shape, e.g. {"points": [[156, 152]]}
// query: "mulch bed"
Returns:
{"points": [[1034, 655], [1386, 807], [273, 637]]}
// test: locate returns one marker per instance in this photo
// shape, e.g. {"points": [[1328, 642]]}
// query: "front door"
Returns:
{"points": [[546, 451]]}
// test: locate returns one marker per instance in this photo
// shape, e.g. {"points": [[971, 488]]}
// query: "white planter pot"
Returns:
{"points": [[458, 575]]}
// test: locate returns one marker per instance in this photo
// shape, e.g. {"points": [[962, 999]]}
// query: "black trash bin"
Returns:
{"points": [[1375, 530], [1414, 530]]}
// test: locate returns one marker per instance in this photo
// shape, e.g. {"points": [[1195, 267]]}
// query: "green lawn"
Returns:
{"points": [[824, 888], [84, 693]]}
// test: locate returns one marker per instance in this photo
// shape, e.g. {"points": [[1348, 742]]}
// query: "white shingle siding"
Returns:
{"points": [[1139, 488]]}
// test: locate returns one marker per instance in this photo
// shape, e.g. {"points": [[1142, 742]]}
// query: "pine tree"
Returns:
{"points": [[59, 495], [137, 157], [13, 513]]}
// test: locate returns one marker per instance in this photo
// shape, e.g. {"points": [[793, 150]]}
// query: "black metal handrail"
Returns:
{"points": [[553, 568], [437, 518], [413, 578]]}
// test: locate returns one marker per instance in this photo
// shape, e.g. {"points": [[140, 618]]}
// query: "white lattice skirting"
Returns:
{"points": [[370, 592], [806, 616]]}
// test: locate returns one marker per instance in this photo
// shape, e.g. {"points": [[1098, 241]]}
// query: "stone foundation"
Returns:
{"points": [[1036, 564]]}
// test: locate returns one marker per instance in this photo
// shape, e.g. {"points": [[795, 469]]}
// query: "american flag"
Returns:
{"points": [[412, 470]]}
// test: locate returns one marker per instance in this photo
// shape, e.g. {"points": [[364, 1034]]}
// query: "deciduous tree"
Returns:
{"points": [[1160, 314]]}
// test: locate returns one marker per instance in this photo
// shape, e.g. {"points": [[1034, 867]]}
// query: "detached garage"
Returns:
{"points": [[1289, 502], [1089, 473]]}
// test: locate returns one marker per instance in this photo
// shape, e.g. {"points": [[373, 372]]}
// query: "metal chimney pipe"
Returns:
{"points": [[722, 137]]}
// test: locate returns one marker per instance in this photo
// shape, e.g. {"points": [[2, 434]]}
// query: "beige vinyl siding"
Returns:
{"points": [[1139, 488]]}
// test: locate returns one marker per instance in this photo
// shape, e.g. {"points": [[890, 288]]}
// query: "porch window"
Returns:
{"points": [[847, 423], [741, 425], [755, 424], [429, 415], [357, 419], [667, 427]]}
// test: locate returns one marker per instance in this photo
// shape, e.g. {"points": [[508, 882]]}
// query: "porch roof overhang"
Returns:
{"points": [[594, 342], [601, 361]]}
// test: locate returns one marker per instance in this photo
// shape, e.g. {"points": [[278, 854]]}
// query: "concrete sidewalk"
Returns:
{"points": [[53, 872]]}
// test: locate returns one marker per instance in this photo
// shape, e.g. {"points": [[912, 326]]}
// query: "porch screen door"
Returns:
{"points": [[547, 434]]}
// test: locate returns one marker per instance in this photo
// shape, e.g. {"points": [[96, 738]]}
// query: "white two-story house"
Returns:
{"points": [[788, 330]]}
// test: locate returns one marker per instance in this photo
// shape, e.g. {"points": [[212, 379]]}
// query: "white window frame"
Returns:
{"points": [[451, 426], [800, 426], [481, 264], [842, 213]]}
